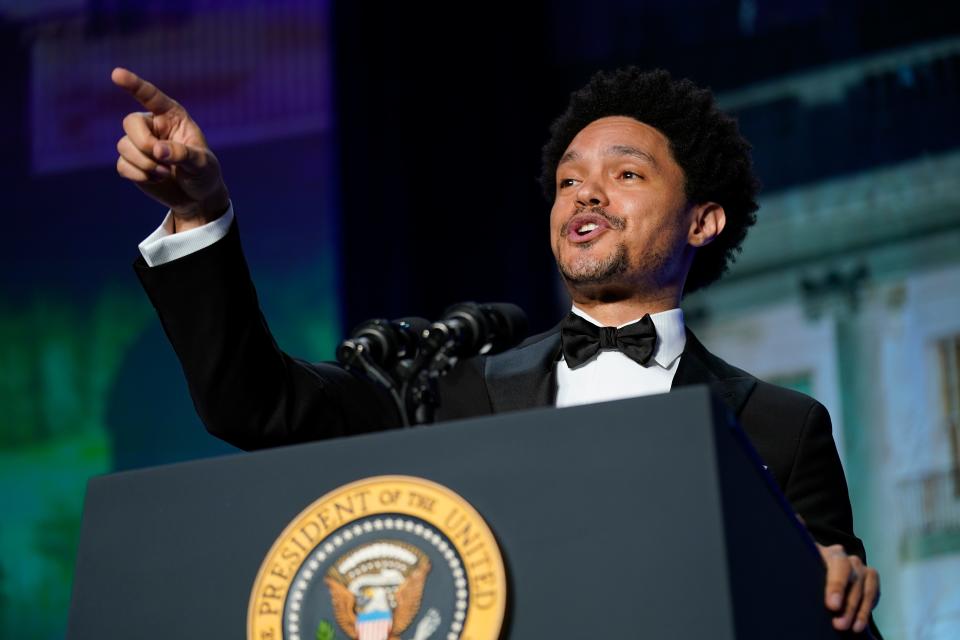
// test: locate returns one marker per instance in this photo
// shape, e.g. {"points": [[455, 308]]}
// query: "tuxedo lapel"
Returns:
{"points": [[525, 377], [699, 366]]}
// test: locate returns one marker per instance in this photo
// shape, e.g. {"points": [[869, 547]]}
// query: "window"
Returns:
{"points": [[948, 352]]}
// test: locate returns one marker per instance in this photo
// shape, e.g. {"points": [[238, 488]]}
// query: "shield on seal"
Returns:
{"points": [[374, 626]]}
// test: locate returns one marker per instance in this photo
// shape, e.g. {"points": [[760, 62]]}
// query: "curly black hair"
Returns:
{"points": [[705, 143]]}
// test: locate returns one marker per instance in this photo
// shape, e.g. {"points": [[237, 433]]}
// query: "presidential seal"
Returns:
{"points": [[386, 558]]}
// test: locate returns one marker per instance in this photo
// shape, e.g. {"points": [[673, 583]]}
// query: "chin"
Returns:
{"points": [[596, 273], [595, 267]]}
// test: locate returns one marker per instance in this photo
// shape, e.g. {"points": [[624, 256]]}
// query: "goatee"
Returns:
{"points": [[596, 270]]}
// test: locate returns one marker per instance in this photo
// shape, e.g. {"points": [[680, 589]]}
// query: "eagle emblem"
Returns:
{"points": [[376, 589]]}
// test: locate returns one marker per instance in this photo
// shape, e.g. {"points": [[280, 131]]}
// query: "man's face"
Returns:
{"points": [[620, 222]]}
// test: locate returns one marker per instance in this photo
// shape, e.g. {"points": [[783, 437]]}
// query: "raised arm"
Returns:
{"points": [[246, 390]]}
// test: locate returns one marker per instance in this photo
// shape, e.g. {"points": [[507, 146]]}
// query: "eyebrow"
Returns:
{"points": [[624, 150], [615, 150]]}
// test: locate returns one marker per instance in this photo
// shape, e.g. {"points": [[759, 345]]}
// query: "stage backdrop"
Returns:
{"points": [[88, 384]]}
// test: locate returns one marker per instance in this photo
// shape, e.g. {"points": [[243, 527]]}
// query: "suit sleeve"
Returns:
{"points": [[245, 389], [817, 488]]}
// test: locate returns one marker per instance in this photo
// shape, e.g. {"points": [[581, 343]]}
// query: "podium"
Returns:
{"points": [[649, 517]]}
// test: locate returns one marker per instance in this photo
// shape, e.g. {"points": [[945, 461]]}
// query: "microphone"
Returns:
{"points": [[408, 356], [383, 342], [468, 329]]}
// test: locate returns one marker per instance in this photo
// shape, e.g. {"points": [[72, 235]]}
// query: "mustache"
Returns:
{"points": [[615, 222]]}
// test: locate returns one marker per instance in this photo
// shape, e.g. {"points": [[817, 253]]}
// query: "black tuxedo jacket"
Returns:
{"points": [[250, 393]]}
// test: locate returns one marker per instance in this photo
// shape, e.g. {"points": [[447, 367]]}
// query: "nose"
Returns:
{"points": [[591, 194]]}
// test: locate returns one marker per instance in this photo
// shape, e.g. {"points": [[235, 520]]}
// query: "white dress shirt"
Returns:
{"points": [[163, 245], [610, 375]]}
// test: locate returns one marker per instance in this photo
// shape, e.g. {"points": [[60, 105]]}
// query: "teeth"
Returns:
{"points": [[587, 228]]}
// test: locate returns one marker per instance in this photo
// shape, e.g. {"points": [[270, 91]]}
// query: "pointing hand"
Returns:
{"points": [[165, 154]]}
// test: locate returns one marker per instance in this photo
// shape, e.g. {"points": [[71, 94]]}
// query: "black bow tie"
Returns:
{"points": [[581, 339]]}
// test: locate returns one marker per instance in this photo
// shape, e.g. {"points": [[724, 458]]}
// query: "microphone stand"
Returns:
{"points": [[413, 382], [384, 379], [423, 375]]}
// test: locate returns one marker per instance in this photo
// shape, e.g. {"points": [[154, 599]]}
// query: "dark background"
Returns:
{"points": [[442, 114]]}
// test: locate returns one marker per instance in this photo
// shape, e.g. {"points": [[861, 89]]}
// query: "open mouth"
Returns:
{"points": [[585, 227]]}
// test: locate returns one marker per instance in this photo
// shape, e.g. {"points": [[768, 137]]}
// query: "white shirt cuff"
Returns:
{"points": [[162, 246]]}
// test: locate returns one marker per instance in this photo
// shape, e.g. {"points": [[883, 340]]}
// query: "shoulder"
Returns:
{"points": [[763, 396], [474, 367], [538, 351], [776, 418], [550, 334], [787, 413], [788, 428], [794, 403]]}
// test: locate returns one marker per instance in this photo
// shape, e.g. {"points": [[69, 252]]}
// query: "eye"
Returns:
{"points": [[630, 175], [566, 182]]}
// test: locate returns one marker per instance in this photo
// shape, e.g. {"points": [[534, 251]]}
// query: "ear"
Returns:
{"points": [[706, 223]]}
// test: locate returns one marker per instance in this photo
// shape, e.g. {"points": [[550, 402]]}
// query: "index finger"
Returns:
{"points": [[146, 93]]}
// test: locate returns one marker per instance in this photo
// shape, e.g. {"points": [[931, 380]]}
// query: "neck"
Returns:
{"points": [[617, 312]]}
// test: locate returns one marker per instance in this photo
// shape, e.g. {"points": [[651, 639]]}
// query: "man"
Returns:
{"points": [[652, 191]]}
